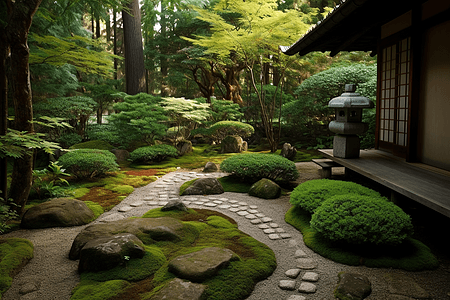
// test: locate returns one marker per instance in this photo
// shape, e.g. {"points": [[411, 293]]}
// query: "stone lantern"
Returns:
{"points": [[348, 123]]}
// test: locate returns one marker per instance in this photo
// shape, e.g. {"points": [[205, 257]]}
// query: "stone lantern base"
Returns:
{"points": [[346, 146]]}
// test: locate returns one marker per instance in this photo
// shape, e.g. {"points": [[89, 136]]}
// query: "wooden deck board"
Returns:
{"points": [[423, 185]]}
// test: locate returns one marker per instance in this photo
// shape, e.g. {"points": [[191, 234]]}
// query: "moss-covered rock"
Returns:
{"points": [[266, 189]]}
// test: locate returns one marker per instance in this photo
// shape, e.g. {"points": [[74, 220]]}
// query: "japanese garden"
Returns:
{"points": [[178, 150]]}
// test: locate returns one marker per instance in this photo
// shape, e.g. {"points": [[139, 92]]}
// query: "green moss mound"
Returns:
{"points": [[14, 254], [252, 167], [97, 209], [154, 153], [311, 194], [142, 278], [411, 255], [357, 219], [96, 144]]}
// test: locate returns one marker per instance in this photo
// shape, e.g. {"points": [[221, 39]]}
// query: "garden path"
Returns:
{"points": [[51, 275]]}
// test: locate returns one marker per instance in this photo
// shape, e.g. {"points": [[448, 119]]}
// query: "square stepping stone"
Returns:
{"points": [[266, 220], [307, 287], [287, 285], [256, 221], [285, 235], [250, 216], [269, 231], [306, 263], [292, 273], [242, 212], [274, 236], [300, 253], [310, 276], [125, 208]]}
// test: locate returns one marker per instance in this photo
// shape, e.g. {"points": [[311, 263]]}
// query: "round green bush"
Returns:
{"points": [[359, 219], [224, 128], [154, 153], [311, 194], [88, 163], [255, 166]]}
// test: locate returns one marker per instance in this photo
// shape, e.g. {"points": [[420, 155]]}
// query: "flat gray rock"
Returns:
{"points": [[204, 186], [292, 273], [310, 276], [352, 286], [306, 263], [307, 287], [178, 289], [201, 265], [287, 285]]}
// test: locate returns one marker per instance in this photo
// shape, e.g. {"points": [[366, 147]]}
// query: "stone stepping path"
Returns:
{"points": [[302, 278]]}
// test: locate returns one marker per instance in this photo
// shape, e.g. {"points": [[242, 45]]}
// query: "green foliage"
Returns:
{"points": [[16, 144], [104, 132], [221, 129], [311, 194], [359, 219], [154, 153], [184, 111], [222, 110], [140, 118], [69, 139], [411, 255], [94, 144], [89, 163], [254, 166], [47, 182], [14, 253], [7, 213]]}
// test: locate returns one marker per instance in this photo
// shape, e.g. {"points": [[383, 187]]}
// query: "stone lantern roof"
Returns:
{"points": [[350, 99]]}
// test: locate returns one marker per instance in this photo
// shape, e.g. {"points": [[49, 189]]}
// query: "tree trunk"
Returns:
{"points": [[134, 51], [19, 22], [164, 52], [4, 53]]}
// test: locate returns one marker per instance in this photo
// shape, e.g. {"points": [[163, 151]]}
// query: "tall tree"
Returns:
{"points": [[134, 51], [14, 41]]}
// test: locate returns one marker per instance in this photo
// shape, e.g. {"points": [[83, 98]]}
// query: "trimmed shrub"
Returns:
{"points": [[154, 153], [218, 131], [359, 219], [95, 144], [255, 166], [311, 194], [88, 163], [69, 139]]}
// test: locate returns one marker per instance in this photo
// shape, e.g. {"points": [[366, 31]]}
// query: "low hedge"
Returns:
{"points": [[311, 194], [255, 166], [357, 219], [154, 153], [88, 163]]}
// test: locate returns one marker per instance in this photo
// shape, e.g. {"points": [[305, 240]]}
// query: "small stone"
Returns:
{"points": [[296, 297], [198, 202], [356, 286], [310, 276], [292, 273], [224, 206], [260, 215], [287, 285], [266, 220], [234, 209], [250, 216], [234, 205], [263, 226], [153, 202], [269, 231], [224, 199], [285, 235], [243, 207], [274, 236], [218, 202], [274, 225], [29, 287], [186, 202], [210, 204], [125, 209], [306, 263], [300, 253], [306, 287], [256, 221], [279, 230], [243, 203], [162, 203], [253, 207], [233, 201], [242, 213], [252, 211]]}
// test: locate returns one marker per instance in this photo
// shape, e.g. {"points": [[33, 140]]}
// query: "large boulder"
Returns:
{"points": [[121, 155], [60, 212], [108, 252], [204, 186], [174, 205], [288, 151], [352, 286], [159, 229], [201, 265], [178, 289], [210, 167], [266, 189], [232, 144]]}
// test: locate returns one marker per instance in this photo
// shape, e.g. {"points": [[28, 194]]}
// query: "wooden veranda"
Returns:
{"points": [[427, 185]]}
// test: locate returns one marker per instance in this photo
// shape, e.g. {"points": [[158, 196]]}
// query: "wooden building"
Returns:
{"points": [[411, 39]]}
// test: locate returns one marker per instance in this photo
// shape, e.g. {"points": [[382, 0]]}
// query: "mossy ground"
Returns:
{"points": [[203, 228], [411, 255], [14, 254]]}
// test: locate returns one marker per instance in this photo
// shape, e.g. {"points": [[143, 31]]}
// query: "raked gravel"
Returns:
{"points": [[51, 275]]}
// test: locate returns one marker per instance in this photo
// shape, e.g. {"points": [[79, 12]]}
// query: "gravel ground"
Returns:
{"points": [[51, 275]]}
